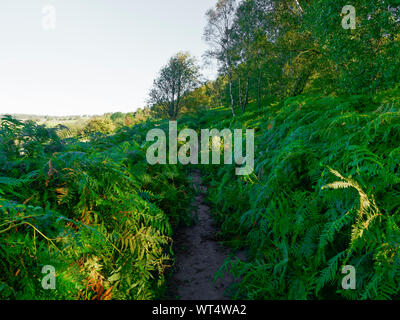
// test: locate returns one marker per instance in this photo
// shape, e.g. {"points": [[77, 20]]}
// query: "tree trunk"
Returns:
{"points": [[246, 96], [259, 88], [230, 88], [299, 7], [243, 102], [240, 94], [301, 83], [171, 110], [178, 102]]}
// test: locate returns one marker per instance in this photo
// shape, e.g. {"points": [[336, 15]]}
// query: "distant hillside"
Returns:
{"points": [[105, 123], [43, 118]]}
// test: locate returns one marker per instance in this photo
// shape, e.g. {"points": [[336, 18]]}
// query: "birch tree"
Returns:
{"points": [[218, 34]]}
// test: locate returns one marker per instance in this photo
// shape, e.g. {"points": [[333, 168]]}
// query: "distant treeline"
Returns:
{"points": [[84, 125]]}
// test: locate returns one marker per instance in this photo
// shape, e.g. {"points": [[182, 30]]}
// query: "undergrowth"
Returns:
{"points": [[94, 210], [325, 193]]}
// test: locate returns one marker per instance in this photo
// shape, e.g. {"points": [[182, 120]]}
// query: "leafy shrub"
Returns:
{"points": [[94, 210], [324, 194]]}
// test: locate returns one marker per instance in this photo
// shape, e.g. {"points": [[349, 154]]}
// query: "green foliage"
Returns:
{"points": [[175, 81], [95, 126], [364, 58], [325, 192], [283, 48], [302, 221], [94, 210]]}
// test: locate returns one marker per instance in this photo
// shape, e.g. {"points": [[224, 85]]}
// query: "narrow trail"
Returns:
{"points": [[199, 256]]}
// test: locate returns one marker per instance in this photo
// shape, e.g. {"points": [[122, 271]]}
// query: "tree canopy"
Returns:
{"points": [[175, 81]]}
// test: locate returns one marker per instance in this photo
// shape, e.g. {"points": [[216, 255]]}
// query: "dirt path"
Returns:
{"points": [[199, 256]]}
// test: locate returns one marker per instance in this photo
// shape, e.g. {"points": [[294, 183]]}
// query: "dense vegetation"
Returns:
{"points": [[325, 193], [94, 210], [324, 101]]}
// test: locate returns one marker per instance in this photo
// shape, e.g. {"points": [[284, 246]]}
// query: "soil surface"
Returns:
{"points": [[199, 256]]}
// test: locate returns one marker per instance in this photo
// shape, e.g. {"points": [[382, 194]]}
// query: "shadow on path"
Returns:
{"points": [[199, 256]]}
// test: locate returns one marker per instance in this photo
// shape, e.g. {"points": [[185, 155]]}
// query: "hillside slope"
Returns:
{"points": [[324, 194]]}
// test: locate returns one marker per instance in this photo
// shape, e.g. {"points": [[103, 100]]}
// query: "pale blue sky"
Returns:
{"points": [[102, 56]]}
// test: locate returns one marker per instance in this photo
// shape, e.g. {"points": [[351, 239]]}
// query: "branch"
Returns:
{"points": [[299, 6]]}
